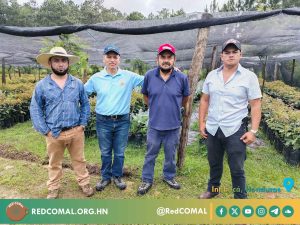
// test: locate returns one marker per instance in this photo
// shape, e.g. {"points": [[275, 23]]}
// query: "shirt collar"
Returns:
{"points": [[158, 74], [69, 79], [239, 69], [104, 72]]}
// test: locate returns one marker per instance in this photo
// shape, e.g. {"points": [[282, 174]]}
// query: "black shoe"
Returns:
{"points": [[102, 184], [208, 195], [144, 188], [172, 183], [119, 183]]}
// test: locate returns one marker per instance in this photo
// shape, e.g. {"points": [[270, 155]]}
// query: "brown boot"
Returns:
{"points": [[53, 194], [87, 190], [208, 195]]}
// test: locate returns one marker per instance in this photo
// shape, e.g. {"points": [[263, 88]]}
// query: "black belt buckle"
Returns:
{"points": [[67, 128], [115, 117]]}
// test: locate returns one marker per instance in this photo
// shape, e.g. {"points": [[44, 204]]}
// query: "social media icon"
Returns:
{"points": [[274, 211], [261, 211], [288, 211], [221, 211], [248, 211], [234, 211]]}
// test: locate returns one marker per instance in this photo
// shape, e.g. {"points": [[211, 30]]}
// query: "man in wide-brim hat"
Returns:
{"points": [[43, 58], [60, 110]]}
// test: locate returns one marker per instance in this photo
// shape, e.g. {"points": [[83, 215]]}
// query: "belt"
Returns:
{"points": [[113, 117], [68, 128]]}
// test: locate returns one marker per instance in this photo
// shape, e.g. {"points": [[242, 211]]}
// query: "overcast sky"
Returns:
{"points": [[148, 6]]}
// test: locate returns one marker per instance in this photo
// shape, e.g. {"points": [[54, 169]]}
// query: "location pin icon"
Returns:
{"points": [[288, 184]]}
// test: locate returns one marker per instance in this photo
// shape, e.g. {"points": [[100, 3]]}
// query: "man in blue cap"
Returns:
{"points": [[113, 87]]}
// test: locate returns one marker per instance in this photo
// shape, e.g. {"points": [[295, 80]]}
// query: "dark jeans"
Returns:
{"points": [[170, 139], [236, 153], [112, 135]]}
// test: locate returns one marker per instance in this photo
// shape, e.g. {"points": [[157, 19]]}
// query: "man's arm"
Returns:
{"points": [[89, 86], [84, 105], [146, 99], [249, 136], [203, 108], [255, 113], [138, 80], [185, 100], [37, 112]]}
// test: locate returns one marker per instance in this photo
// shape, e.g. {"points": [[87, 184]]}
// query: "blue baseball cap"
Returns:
{"points": [[111, 48]]}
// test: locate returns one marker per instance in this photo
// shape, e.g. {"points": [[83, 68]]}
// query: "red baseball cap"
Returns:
{"points": [[166, 47]]}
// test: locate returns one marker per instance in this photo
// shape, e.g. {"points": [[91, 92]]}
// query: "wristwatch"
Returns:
{"points": [[253, 131]]}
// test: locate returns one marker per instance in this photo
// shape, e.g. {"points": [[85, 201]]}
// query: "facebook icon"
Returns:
{"points": [[221, 211]]}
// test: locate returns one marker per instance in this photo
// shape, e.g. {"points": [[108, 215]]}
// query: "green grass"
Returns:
{"points": [[264, 168]]}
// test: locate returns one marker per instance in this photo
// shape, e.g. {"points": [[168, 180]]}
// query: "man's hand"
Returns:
{"points": [[49, 134], [202, 131], [177, 69], [248, 138]]}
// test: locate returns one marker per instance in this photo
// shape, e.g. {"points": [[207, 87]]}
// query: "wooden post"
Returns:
{"points": [[213, 58], [9, 72], [39, 73], [292, 74], [3, 72], [193, 75], [35, 73], [84, 75], [19, 71]]}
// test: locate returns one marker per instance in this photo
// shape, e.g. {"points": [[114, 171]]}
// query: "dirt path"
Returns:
{"points": [[8, 193]]}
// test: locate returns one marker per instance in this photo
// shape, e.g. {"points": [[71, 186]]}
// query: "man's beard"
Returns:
{"points": [[59, 73], [165, 71]]}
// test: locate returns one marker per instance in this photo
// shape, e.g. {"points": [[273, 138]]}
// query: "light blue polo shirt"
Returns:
{"points": [[113, 92], [228, 102]]}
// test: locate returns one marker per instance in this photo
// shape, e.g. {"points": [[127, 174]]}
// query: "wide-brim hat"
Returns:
{"points": [[43, 58]]}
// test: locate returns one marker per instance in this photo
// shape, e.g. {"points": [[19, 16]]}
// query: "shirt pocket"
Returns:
{"points": [[236, 91], [52, 98], [73, 97], [214, 88]]}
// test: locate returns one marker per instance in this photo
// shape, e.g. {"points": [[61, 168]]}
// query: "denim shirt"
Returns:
{"points": [[53, 108], [228, 101]]}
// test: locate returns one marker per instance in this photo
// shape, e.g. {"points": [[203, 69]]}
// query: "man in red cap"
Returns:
{"points": [[165, 92]]}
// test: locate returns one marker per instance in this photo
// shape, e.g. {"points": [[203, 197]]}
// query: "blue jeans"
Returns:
{"points": [[112, 135], [170, 140]]}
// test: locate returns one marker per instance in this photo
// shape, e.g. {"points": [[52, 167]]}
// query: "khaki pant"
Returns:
{"points": [[73, 140]]}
